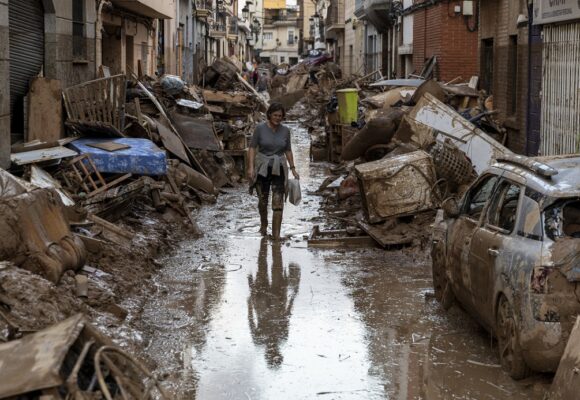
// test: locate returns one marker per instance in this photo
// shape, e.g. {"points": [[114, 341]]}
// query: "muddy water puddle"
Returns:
{"points": [[239, 317]]}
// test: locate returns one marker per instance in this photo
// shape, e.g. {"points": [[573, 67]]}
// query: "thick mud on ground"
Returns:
{"points": [[238, 317]]}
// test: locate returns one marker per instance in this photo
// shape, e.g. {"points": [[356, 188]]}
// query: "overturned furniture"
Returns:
{"points": [[33, 230], [72, 360], [97, 106], [397, 186]]}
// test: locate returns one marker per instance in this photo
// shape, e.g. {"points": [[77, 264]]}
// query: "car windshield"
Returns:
{"points": [[562, 219]]}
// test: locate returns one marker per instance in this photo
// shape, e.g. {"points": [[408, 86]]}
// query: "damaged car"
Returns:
{"points": [[509, 254]]}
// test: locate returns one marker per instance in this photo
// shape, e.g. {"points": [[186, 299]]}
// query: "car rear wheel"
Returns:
{"points": [[441, 285], [510, 352]]}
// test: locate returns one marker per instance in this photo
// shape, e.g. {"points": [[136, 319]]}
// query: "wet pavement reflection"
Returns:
{"points": [[239, 317], [272, 293]]}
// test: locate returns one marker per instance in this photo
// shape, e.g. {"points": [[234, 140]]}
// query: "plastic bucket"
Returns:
{"points": [[347, 105]]}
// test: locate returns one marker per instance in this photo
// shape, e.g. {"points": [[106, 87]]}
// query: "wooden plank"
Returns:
{"points": [[223, 97], [193, 161], [109, 185], [110, 226], [45, 110], [263, 102], [384, 239], [36, 156], [109, 146], [171, 141]]}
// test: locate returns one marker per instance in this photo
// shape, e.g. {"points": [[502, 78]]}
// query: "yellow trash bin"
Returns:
{"points": [[347, 105]]}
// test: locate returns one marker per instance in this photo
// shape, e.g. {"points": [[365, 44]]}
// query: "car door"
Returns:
{"points": [[492, 247], [461, 233]]}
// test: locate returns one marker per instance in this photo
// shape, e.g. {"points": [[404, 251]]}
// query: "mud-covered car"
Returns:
{"points": [[509, 253]]}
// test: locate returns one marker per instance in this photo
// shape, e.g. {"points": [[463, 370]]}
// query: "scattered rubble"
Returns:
{"points": [[415, 144], [83, 217]]}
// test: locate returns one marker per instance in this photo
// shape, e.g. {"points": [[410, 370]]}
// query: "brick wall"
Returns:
{"points": [[437, 31]]}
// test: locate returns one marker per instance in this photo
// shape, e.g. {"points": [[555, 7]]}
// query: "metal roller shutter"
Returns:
{"points": [[26, 35], [560, 126]]}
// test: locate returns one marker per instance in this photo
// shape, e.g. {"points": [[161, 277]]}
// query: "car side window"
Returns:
{"points": [[530, 220], [503, 209], [478, 196]]}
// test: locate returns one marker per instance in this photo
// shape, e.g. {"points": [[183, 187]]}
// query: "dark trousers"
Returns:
{"points": [[274, 183]]}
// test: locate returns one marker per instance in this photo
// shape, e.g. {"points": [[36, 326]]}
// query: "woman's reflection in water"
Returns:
{"points": [[270, 302]]}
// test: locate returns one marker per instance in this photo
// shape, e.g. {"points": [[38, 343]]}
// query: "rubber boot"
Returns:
{"points": [[263, 221], [276, 224], [262, 209]]}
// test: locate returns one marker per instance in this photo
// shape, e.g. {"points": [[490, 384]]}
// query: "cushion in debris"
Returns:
{"points": [[142, 157]]}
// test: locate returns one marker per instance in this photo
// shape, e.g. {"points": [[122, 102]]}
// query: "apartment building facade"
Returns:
{"points": [[280, 33]]}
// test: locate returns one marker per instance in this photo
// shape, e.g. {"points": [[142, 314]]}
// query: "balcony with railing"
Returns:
{"points": [[335, 16], [276, 18], [203, 8], [149, 8], [218, 30], [359, 9], [233, 29], [380, 13]]}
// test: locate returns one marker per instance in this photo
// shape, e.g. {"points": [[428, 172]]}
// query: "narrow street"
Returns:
{"points": [[236, 316]]}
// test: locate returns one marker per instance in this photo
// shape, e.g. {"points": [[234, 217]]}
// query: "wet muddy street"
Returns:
{"points": [[239, 317]]}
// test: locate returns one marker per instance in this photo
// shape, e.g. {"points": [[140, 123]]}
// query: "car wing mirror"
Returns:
{"points": [[450, 207]]}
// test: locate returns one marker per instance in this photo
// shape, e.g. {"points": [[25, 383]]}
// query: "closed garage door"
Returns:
{"points": [[26, 34], [560, 126]]}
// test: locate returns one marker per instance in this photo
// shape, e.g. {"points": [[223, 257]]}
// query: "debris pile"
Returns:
{"points": [[404, 147], [73, 360], [83, 216]]}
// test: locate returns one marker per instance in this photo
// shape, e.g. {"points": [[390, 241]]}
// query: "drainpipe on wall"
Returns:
{"points": [[99, 35]]}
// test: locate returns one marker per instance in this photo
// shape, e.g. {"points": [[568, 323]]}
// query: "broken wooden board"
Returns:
{"points": [[44, 109], [214, 109], [197, 132], [224, 97], [38, 145], [36, 156], [111, 227], [190, 159], [171, 142], [296, 82], [109, 146], [386, 239], [264, 104], [337, 239]]}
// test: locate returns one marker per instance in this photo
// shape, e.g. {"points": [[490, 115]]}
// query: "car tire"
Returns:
{"points": [[510, 352], [441, 285]]}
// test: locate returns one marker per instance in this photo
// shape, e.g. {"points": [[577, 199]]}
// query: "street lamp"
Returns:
{"points": [[245, 12], [316, 19], [256, 27]]}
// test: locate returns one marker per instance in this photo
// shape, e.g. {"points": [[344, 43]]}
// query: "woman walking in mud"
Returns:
{"points": [[270, 157]]}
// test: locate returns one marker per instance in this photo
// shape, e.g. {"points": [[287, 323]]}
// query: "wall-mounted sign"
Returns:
{"points": [[549, 11]]}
